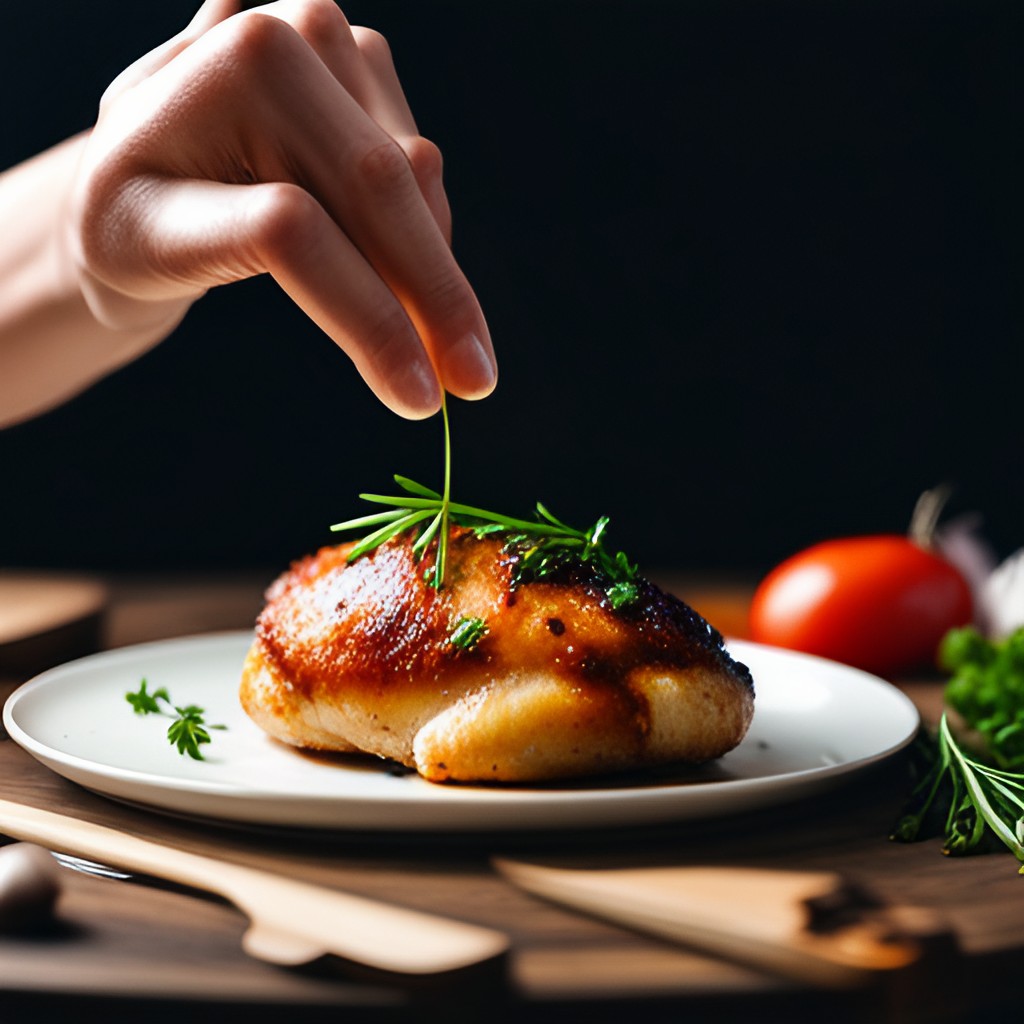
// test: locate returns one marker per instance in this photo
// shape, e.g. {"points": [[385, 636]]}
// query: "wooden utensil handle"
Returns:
{"points": [[291, 922], [759, 917]]}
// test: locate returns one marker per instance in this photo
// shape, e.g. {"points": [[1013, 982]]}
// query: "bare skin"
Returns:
{"points": [[275, 141]]}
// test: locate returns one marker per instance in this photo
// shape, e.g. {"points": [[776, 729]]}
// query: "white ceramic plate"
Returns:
{"points": [[815, 723]]}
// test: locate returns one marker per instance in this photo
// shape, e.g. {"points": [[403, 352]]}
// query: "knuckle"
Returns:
{"points": [[384, 169], [446, 296], [320, 22], [389, 338], [258, 41], [372, 45], [425, 158], [284, 219]]}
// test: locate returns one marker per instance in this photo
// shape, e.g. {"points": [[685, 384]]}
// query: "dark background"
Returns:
{"points": [[752, 268]]}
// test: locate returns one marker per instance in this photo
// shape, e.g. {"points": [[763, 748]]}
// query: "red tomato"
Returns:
{"points": [[880, 603]]}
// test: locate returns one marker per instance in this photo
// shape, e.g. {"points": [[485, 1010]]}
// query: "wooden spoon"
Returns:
{"points": [[291, 922]]}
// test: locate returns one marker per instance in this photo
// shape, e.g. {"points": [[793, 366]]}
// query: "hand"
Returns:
{"points": [[279, 141]]}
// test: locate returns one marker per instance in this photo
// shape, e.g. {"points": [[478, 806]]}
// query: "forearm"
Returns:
{"points": [[51, 344]]}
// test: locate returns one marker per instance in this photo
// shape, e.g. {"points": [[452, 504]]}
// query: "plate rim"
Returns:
{"points": [[765, 791]]}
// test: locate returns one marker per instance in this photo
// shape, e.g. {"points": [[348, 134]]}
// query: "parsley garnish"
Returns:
{"points": [[188, 730], [987, 689], [147, 703], [541, 545]]}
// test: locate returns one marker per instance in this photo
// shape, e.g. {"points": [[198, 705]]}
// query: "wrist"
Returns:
{"points": [[128, 314]]}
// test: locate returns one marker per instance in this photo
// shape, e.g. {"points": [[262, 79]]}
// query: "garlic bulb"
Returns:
{"points": [[1002, 597]]}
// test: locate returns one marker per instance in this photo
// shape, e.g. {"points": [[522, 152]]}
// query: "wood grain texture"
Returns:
{"points": [[125, 945]]}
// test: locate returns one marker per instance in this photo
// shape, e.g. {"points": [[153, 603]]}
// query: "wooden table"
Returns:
{"points": [[152, 953]]}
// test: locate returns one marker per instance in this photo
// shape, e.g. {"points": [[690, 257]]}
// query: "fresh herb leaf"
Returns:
{"points": [[987, 689], [541, 546], [414, 488], [145, 703], [187, 731], [980, 798], [468, 632], [982, 801], [622, 593]]}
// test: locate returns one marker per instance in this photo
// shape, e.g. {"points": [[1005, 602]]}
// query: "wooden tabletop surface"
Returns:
{"points": [[128, 948]]}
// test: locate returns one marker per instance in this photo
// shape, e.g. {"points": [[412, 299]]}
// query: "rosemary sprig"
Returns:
{"points": [[982, 800], [542, 544], [188, 730]]}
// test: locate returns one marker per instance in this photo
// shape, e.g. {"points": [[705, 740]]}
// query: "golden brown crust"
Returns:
{"points": [[358, 656]]}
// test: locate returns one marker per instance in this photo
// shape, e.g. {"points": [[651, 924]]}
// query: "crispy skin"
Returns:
{"points": [[358, 657]]}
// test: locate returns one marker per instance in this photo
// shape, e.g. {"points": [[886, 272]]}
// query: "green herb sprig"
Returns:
{"points": [[979, 797], [187, 731], [542, 545]]}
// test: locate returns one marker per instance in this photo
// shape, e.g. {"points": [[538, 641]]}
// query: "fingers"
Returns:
{"points": [[368, 186], [381, 96], [279, 141], [324, 273], [228, 232], [360, 60]]}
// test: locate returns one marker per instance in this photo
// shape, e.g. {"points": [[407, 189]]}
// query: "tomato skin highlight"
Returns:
{"points": [[880, 603]]}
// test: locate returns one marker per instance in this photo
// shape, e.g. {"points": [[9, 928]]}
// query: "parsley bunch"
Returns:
{"points": [[987, 689], [188, 730]]}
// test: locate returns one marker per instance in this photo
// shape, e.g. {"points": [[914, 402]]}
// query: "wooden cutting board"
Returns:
{"points": [[48, 618]]}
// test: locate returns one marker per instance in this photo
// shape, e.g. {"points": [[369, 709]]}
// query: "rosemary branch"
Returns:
{"points": [[543, 544]]}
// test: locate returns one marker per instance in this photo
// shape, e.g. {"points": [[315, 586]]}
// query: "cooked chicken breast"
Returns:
{"points": [[359, 657]]}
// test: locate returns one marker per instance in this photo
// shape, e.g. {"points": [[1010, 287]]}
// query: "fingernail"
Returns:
{"points": [[469, 369]]}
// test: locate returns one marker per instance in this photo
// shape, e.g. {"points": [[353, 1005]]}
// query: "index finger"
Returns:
{"points": [[312, 133], [365, 181]]}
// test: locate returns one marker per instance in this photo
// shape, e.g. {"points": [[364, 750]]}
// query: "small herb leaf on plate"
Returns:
{"points": [[188, 730]]}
